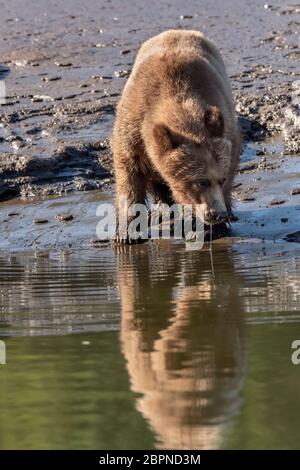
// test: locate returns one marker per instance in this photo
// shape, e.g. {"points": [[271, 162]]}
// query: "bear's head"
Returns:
{"points": [[196, 166]]}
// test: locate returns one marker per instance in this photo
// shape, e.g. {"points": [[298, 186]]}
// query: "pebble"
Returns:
{"points": [[64, 217], [96, 242], [293, 237], [40, 221], [41, 98], [121, 73], [51, 79], [277, 202], [63, 64], [34, 130], [295, 191]]}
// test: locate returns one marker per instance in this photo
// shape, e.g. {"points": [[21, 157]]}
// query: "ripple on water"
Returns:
{"points": [[63, 292]]}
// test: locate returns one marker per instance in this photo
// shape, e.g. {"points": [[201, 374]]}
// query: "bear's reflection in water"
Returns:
{"points": [[183, 339]]}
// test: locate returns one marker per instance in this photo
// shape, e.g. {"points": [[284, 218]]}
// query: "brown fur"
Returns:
{"points": [[175, 134], [177, 345]]}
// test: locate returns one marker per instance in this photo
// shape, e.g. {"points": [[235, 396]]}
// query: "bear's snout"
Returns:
{"points": [[213, 216]]}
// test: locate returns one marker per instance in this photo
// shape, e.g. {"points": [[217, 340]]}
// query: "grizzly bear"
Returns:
{"points": [[176, 135]]}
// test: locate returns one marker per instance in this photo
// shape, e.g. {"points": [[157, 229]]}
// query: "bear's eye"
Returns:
{"points": [[221, 181], [203, 184]]}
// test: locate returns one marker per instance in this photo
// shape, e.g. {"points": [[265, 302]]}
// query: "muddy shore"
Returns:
{"points": [[64, 66]]}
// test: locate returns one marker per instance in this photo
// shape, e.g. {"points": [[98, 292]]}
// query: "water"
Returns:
{"points": [[146, 347]]}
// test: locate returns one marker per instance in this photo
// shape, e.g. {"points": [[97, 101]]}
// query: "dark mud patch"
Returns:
{"points": [[64, 74], [275, 113], [78, 167], [293, 237]]}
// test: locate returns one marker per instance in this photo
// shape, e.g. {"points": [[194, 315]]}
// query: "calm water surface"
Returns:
{"points": [[151, 347]]}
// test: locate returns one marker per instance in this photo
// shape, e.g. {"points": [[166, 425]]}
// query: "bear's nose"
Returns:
{"points": [[216, 216]]}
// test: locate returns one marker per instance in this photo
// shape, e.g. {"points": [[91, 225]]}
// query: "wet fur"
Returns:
{"points": [[176, 124]]}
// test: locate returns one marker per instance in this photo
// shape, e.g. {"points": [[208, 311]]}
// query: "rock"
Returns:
{"points": [[35, 130], [40, 221], [16, 141], [64, 217], [277, 202], [295, 191], [248, 167], [41, 98], [51, 79], [85, 185], [96, 242], [8, 191], [293, 237], [247, 198], [63, 64], [121, 73]]}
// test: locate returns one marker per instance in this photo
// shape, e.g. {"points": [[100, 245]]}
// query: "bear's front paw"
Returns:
{"points": [[233, 217], [121, 241]]}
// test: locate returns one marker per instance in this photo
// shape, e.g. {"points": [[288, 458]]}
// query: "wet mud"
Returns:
{"points": [[64, 67], [182, 348]]}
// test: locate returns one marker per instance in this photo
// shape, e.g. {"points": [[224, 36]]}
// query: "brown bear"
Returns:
{"points": [[176, 135]]}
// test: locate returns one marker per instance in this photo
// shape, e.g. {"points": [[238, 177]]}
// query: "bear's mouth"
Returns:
{"points": [[219, 219]]}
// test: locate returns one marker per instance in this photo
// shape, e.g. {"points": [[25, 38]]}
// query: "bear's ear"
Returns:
{"points": [[214, 121], [165, 138]]}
